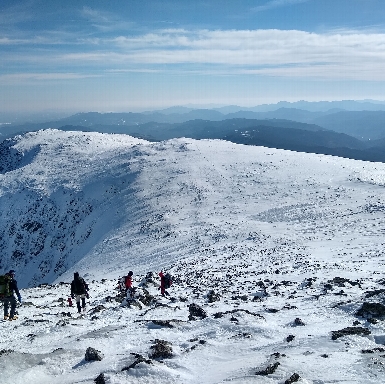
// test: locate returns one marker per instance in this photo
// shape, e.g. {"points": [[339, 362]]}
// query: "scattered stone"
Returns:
{"points": [[378, 349], [356, 322], [163, 323], [299, 322], [271, 368], [218, 315], [93, 355], [374, 293], [277, 355], [145, 297], [6, 352], [341, 281], [325, 356], [212, 296], [290, 338], [97, 309], [139, 359], [371, 320], [100, 379], [62, 323], [196, 311], [161, 349], [369, 310], [293, 378], [350, 331]]}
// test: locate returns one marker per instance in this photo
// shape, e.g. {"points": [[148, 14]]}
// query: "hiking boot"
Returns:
{"points": [[12, 318], [6, 317]]}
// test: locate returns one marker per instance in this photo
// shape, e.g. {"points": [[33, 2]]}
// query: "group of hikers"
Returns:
{"points": [[79, 291]]}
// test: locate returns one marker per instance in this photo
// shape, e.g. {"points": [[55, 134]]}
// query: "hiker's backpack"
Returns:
{"points": [[5, 289], [167, 280]]}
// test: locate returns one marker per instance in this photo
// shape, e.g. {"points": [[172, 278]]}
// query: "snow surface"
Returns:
{"points": [[268, 230]]}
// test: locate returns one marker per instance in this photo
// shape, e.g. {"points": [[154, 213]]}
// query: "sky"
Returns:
{"points": [[131, 55]]}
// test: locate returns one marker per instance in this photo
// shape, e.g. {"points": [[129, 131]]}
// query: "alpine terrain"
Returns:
{"points": [[276, 257]]}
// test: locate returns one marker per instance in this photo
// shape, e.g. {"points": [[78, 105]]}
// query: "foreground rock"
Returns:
{"points": [[371, 310], [361, 331]]}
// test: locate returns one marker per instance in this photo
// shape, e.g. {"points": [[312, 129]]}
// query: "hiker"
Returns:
{"points": [[130, 290], [8, 288], [165, 282], [128, 281], [79, 290]]}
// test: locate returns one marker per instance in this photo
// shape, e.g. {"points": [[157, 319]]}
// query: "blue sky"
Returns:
{"points": [[132, 55]]}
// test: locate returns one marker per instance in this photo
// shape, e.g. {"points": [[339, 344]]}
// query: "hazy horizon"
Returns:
{"points": [[136, 56]]}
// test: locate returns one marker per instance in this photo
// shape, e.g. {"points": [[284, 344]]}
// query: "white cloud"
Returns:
{"points": [[344, 54], [275, 52], [277, 3]]}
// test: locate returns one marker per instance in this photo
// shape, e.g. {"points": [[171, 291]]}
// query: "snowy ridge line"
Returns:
{"points": [[192, 208]]}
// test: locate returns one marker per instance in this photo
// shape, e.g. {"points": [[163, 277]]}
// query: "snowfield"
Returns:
{"points": [[272, 251]]}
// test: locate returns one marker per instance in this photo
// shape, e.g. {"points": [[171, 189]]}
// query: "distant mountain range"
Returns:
{"points": [[357, 132]]}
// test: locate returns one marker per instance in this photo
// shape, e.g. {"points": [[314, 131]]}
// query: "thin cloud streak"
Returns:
{"points": [[277, 3], [273, 52]]}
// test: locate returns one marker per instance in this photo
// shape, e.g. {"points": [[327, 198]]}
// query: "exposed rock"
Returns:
{"points": [[212, 296], [290, 338], [98, 308], [271, 368], [100, 379], [145, 297], [163, 323], [196, 311], [6, 352], [293, 378], [161, 349], [93, 355], [369, 310], [139, 359], [378, 349], [299, 322], [350, 331], [218, 315], [341, 281], [376, 292]]}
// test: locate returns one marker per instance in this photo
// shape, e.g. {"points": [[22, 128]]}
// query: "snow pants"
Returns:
{"points": [[83, 298], [9, 301]]}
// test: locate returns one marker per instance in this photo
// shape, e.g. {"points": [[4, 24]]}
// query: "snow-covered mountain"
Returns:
{"points": [[280, 249]]}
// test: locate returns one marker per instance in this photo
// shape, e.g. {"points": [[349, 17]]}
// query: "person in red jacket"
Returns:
{"points": [[162, 283], [128, 280]]}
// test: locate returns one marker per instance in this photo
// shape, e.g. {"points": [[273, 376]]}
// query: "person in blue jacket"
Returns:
{"points": [[10, 301]]}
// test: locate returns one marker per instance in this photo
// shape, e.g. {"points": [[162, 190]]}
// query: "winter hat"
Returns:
{"points": [[11, 272], [76, 275], [130, 273]]}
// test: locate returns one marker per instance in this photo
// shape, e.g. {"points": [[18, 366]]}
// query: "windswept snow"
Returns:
{"points": [[268, 230]]}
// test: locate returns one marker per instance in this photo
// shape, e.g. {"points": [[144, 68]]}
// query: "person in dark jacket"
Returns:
{"points": [[79, 291], [162, 284], [10, 301]]}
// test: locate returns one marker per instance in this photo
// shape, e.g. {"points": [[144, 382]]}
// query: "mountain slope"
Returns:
{"points": [[87, 200], [281, 250]]}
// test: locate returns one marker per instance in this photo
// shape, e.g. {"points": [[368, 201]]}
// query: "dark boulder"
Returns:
{"points": [[271, 368], [100, 379], [299, 322], [196, 312], [361, 331], [161, 350], [369, 310], [212, 296], [93, 355], [293, 378]]}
